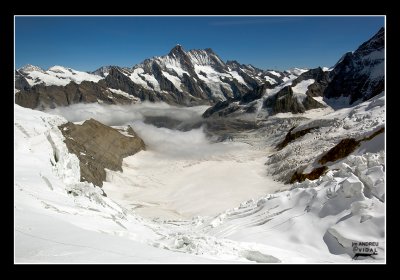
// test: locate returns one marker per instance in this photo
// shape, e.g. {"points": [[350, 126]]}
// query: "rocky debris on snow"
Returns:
{"points": [[98, 146]]}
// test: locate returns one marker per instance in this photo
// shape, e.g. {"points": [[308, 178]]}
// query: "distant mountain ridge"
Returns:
{"points": [[180, 77], [357, 76], [200, 77]]}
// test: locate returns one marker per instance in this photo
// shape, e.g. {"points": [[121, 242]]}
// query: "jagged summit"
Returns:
{"points": [[376, 43], [360, 75], [209, 50], [177, 50], [232, 62], [103, 70]]}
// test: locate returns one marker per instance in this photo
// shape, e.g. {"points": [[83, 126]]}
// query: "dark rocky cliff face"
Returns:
{"points": [[20, 82], [255, 94], [98, 146], [40, 96], [360, 75]]}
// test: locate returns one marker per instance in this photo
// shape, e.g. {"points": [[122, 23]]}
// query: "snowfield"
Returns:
{"points": [[57, 75], [187, 199]]}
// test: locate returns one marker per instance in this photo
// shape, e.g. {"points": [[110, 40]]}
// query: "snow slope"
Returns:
{"points": [[317, 220], [59, 219], [300, 89]]}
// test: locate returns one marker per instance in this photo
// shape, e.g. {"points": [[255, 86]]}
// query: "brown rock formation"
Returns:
{"points": [[98, 147], [315, 174], [293, 136]]}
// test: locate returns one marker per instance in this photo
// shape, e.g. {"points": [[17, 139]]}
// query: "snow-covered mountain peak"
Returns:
{"points": [[205, 58], [55, 75], [29, 68], [210, 51], [102, 71], [59, 69], [296, 71]]}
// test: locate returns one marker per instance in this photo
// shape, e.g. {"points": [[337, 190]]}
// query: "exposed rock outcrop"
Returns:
{"points": [[285, 101], [293, 136], [315, 174], [341, 150], [21, 82], [255, 94], [218, 107], [345, 147], [98, 146]]}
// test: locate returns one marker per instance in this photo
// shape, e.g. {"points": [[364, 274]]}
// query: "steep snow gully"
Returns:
{"points": [[197, 195]]}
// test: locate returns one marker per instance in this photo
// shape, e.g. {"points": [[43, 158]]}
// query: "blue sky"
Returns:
{"points": [[86, 43]]}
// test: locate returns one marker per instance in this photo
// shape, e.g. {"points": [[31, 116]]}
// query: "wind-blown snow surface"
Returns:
{"points": [[59, 219]]}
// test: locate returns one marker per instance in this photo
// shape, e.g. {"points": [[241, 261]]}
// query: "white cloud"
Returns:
{"points": [[122, 114]]}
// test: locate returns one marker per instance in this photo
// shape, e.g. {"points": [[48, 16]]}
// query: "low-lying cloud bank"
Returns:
{"points": [[192, 144], [168, 143], [115, 115]]}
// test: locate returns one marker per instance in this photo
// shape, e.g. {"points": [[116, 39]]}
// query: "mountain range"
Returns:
{"points": [[185, 78], [200, 77]]}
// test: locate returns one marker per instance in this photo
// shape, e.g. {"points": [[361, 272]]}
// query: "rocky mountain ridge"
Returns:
{"points": [[188, 78], [356, 77], [200, 77]]}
